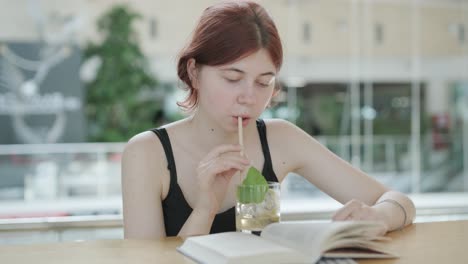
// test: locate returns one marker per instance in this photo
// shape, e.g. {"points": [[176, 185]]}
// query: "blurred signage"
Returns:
{"points": [[40, 93]]}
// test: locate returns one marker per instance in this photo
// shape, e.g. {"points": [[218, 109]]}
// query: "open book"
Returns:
{"points": [[290, 242]]}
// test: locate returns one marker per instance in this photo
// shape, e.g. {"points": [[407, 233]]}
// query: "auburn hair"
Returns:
{"points": [[226, 32]]}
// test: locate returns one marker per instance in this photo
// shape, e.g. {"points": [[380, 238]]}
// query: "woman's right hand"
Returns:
{"points": [[214, 173]]}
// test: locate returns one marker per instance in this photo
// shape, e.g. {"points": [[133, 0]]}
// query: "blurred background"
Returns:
{"points": [[381, 83]]}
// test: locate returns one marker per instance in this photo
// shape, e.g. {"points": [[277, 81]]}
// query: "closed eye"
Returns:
{"points": [[266, 82], [232, 80]]}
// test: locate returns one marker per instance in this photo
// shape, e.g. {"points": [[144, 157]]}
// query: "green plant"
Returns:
{"points": [[117, 101]]}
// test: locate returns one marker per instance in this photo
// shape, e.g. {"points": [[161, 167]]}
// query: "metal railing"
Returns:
{"points": [[59, 171], [65, 172], [430, 207]]}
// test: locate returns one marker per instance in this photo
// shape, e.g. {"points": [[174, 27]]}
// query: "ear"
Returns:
{"points": [[276, 91], [192, 71]]}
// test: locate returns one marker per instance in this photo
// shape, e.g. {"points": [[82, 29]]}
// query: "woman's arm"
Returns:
{"points": [[143, 167], [214, 173], [363, 196], [142, 171], [393, 208], [398, 209]]}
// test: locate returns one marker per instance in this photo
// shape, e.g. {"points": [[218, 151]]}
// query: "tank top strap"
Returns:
{"points": [[166, 143], [268, 171]]}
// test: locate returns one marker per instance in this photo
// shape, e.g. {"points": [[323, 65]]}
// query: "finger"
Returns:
{"points": [[228, 174], [366, 213], [224, 149], [225, 165], [354, 215], [348, 218], [226, 168], [219, 159], [343, 213], [346, 210], [237, 158]]}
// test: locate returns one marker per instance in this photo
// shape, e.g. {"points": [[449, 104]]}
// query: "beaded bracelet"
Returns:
{"points": [[399, 205]]}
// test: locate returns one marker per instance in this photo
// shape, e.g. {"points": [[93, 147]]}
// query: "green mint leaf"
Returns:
{"points": [[254, 177], [253, 188]]}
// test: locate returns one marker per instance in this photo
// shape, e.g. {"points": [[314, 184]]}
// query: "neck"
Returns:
{"points": [[209, 134]]}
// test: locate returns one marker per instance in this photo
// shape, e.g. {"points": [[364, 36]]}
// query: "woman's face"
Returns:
{"points": [[241, 88]]}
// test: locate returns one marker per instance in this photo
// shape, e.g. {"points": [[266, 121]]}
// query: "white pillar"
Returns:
{"points": [[464, 76], [354, 84], [368, 27], [437, 96], [415, 98]]}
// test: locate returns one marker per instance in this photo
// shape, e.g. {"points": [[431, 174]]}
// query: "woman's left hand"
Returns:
{"points": [[356, 210]]}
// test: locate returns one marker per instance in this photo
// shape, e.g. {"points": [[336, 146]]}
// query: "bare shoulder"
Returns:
{"points": [[277, 123], [145, 143], [280, 128], [144, 181], [286, 141], [287, 136], [143, 157]]}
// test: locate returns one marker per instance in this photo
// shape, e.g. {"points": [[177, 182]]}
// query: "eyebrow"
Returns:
{"points": [[241, 71]]}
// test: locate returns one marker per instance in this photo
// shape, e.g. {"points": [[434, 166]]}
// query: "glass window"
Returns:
{"points": [[384, 86]]}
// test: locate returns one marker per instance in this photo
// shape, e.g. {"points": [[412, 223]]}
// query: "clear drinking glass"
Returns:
{"points": [[257, 207]]}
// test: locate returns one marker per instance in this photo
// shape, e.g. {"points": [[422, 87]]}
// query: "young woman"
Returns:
{"points": [[180, 179]]}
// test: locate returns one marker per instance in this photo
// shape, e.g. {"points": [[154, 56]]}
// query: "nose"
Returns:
{"points": [[247, 95]]}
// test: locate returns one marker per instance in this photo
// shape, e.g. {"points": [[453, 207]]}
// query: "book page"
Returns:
{"points": [[237, 247], [306, 237], [314, 238]]}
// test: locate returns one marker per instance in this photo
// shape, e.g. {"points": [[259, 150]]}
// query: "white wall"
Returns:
{"points": [[327, 57]]}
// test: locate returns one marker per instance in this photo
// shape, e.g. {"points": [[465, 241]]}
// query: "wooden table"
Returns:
{"points": [[436, 242]]}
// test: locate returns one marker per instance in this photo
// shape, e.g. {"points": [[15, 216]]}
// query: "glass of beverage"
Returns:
{"points": [[257, 206]]}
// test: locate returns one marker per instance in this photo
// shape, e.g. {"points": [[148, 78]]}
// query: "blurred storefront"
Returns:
{"points": [[383, 84]]}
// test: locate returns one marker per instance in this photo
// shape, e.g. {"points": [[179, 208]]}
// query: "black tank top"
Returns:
{"points": [[176, 210]]}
